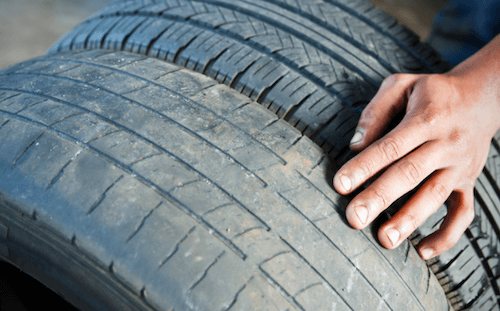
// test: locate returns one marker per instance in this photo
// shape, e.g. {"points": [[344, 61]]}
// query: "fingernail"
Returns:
{"points": [[393, 235], [362, 213], [346, 182], [358, 136], [427, 253]]}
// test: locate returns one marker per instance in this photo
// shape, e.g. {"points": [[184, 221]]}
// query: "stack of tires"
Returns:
{"points": [[179, 154]]}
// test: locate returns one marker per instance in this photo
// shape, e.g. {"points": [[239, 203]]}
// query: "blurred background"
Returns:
{"points": [[29, 27]]}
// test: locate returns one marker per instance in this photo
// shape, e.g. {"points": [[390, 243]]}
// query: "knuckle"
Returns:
{"points": [[389, 150], [393, 79], [450, 240], [470, 215], [411, 171], [381, 196], [397, 78], [412, 221], [366, 168], [439, 192]]}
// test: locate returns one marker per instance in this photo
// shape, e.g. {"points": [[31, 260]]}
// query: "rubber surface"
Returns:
{"points": [[304, 61], [146, 186], [315, 64]]}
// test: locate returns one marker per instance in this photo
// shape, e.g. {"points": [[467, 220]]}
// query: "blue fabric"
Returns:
{"points": [[462, 27]]}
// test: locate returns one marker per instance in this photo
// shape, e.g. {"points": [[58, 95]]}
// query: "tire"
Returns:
{"points": [[315, 65], [129, 183]]}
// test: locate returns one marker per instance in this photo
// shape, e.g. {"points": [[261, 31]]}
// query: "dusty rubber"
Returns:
{"points": [[314, 64], [144, 186]]}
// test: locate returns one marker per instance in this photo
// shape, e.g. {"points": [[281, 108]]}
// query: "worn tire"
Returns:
{"points": [[132, 184], [314, 64]]}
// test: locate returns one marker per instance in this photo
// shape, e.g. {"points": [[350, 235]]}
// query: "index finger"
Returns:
{"points": [[407, 136]]}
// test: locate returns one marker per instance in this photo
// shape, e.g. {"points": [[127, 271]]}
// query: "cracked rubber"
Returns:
{"points": [[129, 183], [314, 64]]}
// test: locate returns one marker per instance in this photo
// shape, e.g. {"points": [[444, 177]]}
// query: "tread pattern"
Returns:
{"points": [[108, 147], [469, 271], [303, 77], [305, 62]]}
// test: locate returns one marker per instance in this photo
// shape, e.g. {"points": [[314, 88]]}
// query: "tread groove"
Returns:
{"points": [[141, 224], [371, 244], [386, 33], [148, 183], [205, 272], [280, 289], [232, 303], [334, 247], [320, 84], [176, 248], [23, 152], [290, 30], [262, 182], [59, 174], [319, 274], [103, 196], [279, 158]]}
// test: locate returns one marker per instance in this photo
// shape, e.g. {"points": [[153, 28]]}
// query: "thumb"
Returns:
{"points": [[391, 97]]}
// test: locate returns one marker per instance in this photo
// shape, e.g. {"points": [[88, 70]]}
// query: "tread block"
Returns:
{"points": [[166, 228], [118, 83], [121, 214], [291, 273], [140, 40], [177, 37], [203, 50], [14, 139], [186, 87], [234, 61], [150, 72], [84, 180], [80, 40], [16, 102], [85, 127], [212, 199], [232, 220], [41, 163], [214, 293], [288, 136], [96, 38], [124, 147], [195, 256], [169, 173], [121, 30], [48, 112], [86, 73], [270, 299]]}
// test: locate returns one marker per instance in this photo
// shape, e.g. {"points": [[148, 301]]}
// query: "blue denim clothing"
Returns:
{"points": [[462, 27]]}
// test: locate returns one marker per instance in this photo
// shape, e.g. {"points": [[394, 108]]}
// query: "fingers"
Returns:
{"points": [[460, 216], [390, 98], [399, 179], [424, 203], [395, 145]]}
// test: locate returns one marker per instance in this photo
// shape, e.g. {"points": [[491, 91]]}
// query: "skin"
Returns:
{"points": [[444, 136]]}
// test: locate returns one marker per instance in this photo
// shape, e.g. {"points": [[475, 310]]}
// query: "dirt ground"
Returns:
{"points": [[28, 28]]}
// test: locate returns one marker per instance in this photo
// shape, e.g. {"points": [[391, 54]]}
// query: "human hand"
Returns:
{"points": [[441, 144]]}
